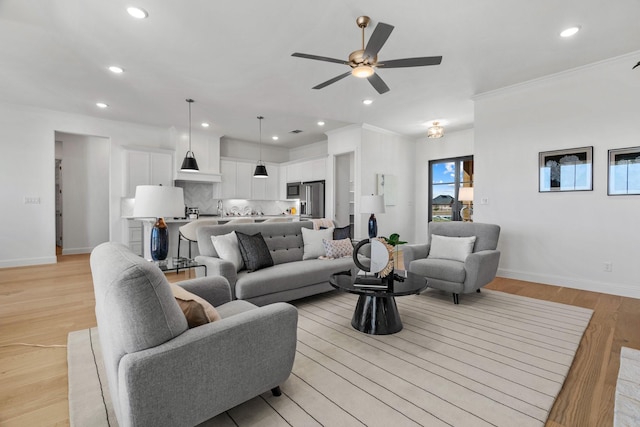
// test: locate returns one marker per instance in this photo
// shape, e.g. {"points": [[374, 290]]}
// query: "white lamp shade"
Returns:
{"points": [[465, 194], [157, 201], [372, 204]]}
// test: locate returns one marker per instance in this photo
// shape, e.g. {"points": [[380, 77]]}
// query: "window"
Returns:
{"points": [[446, 177]]}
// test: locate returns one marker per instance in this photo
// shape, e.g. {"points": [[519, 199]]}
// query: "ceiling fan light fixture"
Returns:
{"points": [[435, 131], [362, 71], [189, 164]]}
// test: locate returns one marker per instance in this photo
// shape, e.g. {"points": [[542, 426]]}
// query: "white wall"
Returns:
{"points": [[85, 192], [239, 149], [27, 137], [452, 144], [561, 238], [316, 149]]}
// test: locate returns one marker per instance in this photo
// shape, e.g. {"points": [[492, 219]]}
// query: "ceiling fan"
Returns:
{"points": [[363, 62]]}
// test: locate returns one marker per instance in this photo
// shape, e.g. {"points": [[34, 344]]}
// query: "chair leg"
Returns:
{"points": [[478, 290], [455, 299], [276, 391]]}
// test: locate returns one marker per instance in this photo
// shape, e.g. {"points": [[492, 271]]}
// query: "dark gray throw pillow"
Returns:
{"points": [[341, 233], [254, 251]]}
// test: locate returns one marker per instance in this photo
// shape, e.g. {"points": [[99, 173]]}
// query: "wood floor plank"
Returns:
{"points": [[42, 304]]}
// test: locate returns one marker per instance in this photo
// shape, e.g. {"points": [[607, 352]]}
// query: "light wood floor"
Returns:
{"points": [[41, 305]]}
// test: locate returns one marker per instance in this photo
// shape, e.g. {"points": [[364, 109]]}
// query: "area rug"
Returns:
{"points": [[627, 407], [495, 359]]}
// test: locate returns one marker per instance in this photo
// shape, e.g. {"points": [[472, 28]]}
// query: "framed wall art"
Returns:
{"points": [[624, 171], [387, 188], [566, 170]]}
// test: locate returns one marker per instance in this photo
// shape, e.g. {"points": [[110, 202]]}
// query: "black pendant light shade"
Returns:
{"points": [[189, 163], [261, 169]]}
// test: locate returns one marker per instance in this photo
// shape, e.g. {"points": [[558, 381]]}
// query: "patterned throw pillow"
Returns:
{"points": [[254, 251], [337, 248]]}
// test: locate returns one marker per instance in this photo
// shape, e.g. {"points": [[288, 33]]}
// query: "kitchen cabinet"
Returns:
{"points": [[146, 167], [308, 170], [238, 181]]}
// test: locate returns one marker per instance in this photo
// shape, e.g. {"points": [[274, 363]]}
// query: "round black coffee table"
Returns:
{"points": [[376, 312]]}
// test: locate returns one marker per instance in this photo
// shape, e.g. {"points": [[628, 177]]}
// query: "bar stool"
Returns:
{"points": [[187, 232]]}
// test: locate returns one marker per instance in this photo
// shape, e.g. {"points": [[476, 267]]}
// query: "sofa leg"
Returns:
{"points": [[478, 290], [455, 299], [276, 391]]}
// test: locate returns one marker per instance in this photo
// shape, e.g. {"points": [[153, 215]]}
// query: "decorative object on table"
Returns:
{"points": [[261, 169], [465, 194], [566, 170], [381, 258], [394, 241], [156, 201], [189, 164], [624, 171], [435, 131], [373, 205], [387, 188]]}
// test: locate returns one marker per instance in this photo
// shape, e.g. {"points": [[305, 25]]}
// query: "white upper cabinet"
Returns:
{"points": [[238, 181], [146, 167], [206, 149], [309, 170]]}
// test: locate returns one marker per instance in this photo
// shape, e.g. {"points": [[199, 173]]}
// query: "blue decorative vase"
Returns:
{"points": [[159, 240], [373, 226]]}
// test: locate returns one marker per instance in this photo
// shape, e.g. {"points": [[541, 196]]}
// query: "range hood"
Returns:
{"points": [[198, 176]]}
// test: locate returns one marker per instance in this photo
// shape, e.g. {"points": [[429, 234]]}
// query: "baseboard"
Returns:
{"points": [[76, 251], [570, 282], [25, 262]]}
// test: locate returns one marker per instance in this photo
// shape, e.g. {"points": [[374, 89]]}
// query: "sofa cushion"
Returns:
{"points": [[442, 269], [338, 248], [312, 239], [453, 248], [227, 248], [290, 275], [254, 250], [197, 310]]}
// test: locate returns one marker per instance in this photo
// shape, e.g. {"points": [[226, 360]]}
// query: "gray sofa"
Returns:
{"points": [[455, 276], [290, 278], [162, 373]]}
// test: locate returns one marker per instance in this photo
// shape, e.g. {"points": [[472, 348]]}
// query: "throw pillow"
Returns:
{"points": [[342, 233], [227, 248], [254, 251], [338, 248], [456, 248], [197, 310], [312, 240]]}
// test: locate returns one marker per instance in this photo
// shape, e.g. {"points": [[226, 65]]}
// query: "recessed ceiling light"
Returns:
{"points": [[367, 101], [137, 12], [275, 138], [116, 69], [205, 125], [571, 31], [101, 105], [320, 123]]}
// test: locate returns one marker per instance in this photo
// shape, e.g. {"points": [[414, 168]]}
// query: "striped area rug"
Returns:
{"points": [[495, 359]]}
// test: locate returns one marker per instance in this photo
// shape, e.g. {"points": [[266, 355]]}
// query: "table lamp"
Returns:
{"points": [[156, 201], [465, 194], [373, 205]]}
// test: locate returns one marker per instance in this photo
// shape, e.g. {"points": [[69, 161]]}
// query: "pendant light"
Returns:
{"points": [[261, 169], [189, 163]]}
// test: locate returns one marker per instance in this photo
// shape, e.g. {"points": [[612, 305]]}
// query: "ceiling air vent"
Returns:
{"points": [[295, 131]]}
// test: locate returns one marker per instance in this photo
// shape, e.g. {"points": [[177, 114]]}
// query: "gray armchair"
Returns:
{"points": [[162, 373], [455, 276]]}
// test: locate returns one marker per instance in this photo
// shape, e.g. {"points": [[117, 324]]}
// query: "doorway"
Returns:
{"points": [[58, 190], [344, 194], [447, 179]]}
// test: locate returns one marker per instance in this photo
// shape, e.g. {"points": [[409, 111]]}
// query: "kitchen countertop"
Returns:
{"points": [[230, 217]]}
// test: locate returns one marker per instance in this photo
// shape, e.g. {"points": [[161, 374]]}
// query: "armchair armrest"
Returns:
{"points": [[214, 289], [220, 364], [219, 267], [481, 268], [414, 252]]}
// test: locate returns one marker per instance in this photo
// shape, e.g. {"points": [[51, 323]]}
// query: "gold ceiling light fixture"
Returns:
{"points": [[189, 163], [261, 169], [435, 131]]}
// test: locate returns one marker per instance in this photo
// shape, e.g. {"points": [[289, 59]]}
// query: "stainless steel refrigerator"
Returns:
{"points": [[312, 199]]}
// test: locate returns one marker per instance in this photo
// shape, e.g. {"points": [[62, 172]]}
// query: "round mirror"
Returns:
{"points": [[379, 256]]}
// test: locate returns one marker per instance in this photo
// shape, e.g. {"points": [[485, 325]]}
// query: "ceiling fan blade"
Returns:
{"points": [[319, 58], [379, 84], [411, 62], [377, 39], [333, 80]]}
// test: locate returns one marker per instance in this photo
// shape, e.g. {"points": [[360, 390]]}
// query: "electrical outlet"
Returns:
{"points": [[484, 201], [607, 266], [32, 200]]}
